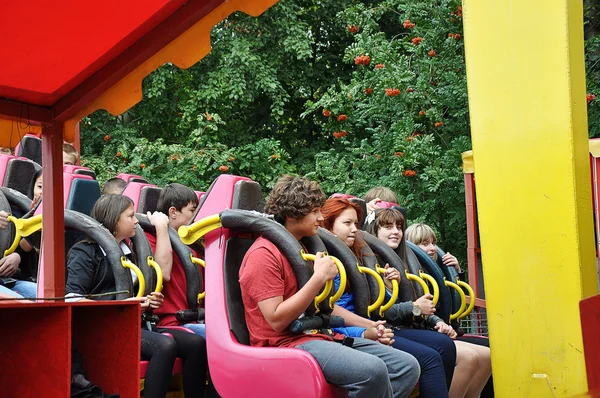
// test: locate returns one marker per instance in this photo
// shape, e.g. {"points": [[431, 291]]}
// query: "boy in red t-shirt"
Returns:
{"points": [[179, 203], [273, 300]]}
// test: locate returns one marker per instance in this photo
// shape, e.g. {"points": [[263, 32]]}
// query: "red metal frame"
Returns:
{"points": [[595, 169], [53, 235], [590, 324], [472, 241], [20, 111]]}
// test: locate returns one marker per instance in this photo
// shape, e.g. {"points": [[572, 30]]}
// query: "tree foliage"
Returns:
{"points": [[351, 93]]}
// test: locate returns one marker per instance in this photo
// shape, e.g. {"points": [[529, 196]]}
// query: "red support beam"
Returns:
{"points": [[133, 57], [26, 113], [472, 241], [53, 219], [590, 325], [595, 169]]}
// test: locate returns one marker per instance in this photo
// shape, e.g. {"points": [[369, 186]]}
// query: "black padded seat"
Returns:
{"points": [[148, 199], [19, 173], [356, 279], [247, 195], [234, 254], [19, 203], [136, 179], [363, 206], [142, 249], [7, 234], [30, 147], [85, 172]]}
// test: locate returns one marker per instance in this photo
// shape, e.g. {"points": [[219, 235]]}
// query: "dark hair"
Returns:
{"points": [[32, 183], [294, 197], [385, 217], [332, 209], [177, 196], [108, 210], [113, 186]]}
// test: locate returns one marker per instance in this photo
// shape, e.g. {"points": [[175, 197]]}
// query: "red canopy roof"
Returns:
{"points": [[63, 59]]}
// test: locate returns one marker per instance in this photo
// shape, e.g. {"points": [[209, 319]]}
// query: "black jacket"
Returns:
{"points": [[88, 271]]}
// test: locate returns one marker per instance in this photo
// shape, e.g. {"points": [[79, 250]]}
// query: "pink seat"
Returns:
{"points": [[238, 369], [133, 191], [129, 177]]}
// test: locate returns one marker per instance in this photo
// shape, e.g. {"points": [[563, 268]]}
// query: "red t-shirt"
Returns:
{"points": [[175, 291], [267, 273]]}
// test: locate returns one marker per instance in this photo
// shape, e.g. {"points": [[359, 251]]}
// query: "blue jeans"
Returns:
{"points": [[368, 369], [436, 354], [26, 289], [7, 291], [197, 328]]}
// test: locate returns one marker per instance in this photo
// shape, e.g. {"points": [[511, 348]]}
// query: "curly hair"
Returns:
{"points": [[294, 197]]}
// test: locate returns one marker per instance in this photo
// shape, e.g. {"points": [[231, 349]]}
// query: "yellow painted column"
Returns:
{"points": [[526, 82]]}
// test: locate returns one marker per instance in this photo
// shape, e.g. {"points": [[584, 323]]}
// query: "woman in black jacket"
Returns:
{"points": [[89, 272]]}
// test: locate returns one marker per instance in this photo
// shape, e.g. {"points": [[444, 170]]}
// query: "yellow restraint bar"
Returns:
{"points": [[191, 233], [23, 227], [380, 284], [159, 275], [199, 261], [329, 284], [471, 295], [394, 297], [142, 283], [463, 300], [436, 288]]}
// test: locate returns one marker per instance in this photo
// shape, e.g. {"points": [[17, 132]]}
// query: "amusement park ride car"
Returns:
{"points": [[66, 59]]}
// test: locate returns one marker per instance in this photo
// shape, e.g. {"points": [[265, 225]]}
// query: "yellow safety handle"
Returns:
{"points": [[15, 243], [23, 227], [191, 233], [199, 261], [394, 297], [463, 300], [159, 274], [142, 283], [436, 288], [471, 295], [380, 284], [329, 284], [413, 277], [27, 226]]}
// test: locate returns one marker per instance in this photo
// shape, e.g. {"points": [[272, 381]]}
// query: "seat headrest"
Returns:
{"points": [[247, 195], [148, 199], [83, 195], [129, 177], [30, 147], [363, 207], [133, 191], [19, 173], [85, 171]]}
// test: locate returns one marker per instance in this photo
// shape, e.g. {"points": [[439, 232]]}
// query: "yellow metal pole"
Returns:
{"points": [[526, 82]]}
